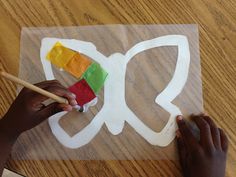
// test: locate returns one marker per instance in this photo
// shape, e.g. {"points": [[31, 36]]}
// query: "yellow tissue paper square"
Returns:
{"points": [[60, 55]]}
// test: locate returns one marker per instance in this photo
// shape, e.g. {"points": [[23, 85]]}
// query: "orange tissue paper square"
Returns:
{"points": [[77, 65]]}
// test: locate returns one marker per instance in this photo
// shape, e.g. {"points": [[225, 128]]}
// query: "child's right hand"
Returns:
{"points": [[206, 158], [28, 110]]}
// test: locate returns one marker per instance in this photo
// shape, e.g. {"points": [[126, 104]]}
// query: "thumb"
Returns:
{"points": [[48, 111]]}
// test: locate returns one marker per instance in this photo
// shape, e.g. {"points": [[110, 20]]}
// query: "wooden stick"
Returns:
{"points": [[33, 87]]}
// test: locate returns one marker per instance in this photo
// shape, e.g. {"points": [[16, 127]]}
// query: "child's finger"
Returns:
{"points": [[205, 132], [42, 85], [37, 98], [45, 84], [72, 101], [224, 140], [186, 134], [46, 112], [60, 92], [214, 132], [54, 83], [65, 107], [181, 149]]}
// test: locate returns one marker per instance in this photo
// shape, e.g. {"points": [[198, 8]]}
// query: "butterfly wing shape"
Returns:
{"points": [[90, 131], [172, 90]]}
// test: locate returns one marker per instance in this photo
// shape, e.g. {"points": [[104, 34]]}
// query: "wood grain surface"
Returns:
{"points": [[217, 32]]}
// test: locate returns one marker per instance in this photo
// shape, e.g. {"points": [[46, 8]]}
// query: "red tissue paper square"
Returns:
{"points": [[83, 92]]}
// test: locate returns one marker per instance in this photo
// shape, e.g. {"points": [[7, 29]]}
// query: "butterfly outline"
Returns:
{"points": [[164, 99]]}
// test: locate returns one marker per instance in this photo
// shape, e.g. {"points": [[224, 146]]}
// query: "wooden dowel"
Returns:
{"points": [[33, 87]]}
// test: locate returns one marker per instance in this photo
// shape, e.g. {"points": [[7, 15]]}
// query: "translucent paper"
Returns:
{"points": [[95, 76], [147, 75], [60, 56]]}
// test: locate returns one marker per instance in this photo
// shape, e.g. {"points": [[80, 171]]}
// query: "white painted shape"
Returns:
{"points": [[91, 103], [115, 110]]}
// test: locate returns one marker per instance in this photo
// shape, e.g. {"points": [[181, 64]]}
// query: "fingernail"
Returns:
{"points": [[67, 108], [73, 95], [73, 102], [77, 107], [179, 117]]}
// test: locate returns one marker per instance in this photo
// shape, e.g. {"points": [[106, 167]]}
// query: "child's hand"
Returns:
{"points": [[27, 111], [206, 158]]}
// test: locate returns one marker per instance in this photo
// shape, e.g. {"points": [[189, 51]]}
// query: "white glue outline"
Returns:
{"points": [[115, 111]]}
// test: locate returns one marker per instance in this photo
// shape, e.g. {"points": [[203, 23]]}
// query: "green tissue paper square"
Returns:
{"points": [[95, 76]]}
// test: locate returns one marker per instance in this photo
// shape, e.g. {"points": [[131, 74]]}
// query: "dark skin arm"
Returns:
{"points": [[206, 157], [26, 112]]}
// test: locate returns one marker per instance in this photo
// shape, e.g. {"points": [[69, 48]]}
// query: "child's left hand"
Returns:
{"points": [[28, 110]]}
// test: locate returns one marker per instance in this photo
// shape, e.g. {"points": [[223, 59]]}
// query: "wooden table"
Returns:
{"points": [[217, 28]]}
